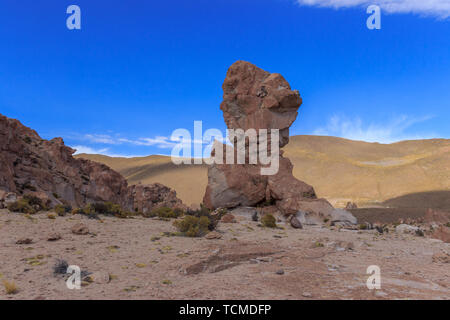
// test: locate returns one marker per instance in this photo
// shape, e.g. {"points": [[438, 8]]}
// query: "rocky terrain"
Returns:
{"points": [[137, 258], [30, 165]]}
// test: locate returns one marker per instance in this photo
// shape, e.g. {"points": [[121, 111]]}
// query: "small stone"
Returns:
{"points": [[24, 241], [380, 294], [264, 259], [280, 272], [100, 277], [441, 257], [228, 218], [80, 229], [295, 223], [213, 235], [307, 294], [406, 228], [54, 237]]}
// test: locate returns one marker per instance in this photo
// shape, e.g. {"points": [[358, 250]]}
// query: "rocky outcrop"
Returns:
{"points": [[46, 169], [256, 99], [146, 197]]}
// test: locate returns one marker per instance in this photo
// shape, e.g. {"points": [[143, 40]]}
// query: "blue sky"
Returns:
{"points": [[137, 70]]}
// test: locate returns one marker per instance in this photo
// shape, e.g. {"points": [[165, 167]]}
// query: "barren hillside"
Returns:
{"points": [[340, 170]]}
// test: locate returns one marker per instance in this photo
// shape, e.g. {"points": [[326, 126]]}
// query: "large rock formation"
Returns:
{"points": [[256, 99], [32, 165]]}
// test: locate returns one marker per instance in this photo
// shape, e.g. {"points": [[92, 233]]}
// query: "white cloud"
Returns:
{"points": [[100, 138], [104, 151], [389, 132], [157, 141], [435, 8]]}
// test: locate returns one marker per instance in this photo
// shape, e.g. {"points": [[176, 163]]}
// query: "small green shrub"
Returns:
{"points": [[62, 210], [21, 206], [165, 212], [105, 208], [319, 244], [77, 211], [10, 287], [269, 221], [362, 226], [192, 226], [205, 212]]}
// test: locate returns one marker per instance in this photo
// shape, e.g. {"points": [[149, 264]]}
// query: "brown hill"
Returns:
{"points": [[340, 170]]}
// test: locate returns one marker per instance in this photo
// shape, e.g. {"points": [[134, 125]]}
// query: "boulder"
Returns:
{"points": [[228, 218], [295, 223], [256, 99], [340, 216], [80, 229], [146, 198], [442, 233], [406, 228], [351, 205], [54, 236]]}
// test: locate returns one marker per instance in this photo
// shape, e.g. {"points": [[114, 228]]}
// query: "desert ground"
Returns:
{"points": [[138, 258]]}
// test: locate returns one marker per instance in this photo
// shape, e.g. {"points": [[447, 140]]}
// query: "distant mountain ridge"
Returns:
{"points": [[340, 170]]}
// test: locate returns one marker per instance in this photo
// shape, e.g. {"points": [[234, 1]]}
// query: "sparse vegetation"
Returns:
{"points": [[28, 204], [318, 244], [165, 213], [51, 216], [192, 226], [205, 212], [61, 209], [269, 221], [21, 206], [60, 267], [10, 287], [92, 210]]}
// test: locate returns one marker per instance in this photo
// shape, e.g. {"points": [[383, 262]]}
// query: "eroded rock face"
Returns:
{"points": [[145, 198], [46, 169], [256, 99]]}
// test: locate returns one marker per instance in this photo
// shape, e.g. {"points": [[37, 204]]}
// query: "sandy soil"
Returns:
{"points": [[248, 262]]}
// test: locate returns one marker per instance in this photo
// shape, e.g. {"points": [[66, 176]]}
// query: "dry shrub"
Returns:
{"points": [[269, 221], [10, 287], [192, 226]]}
